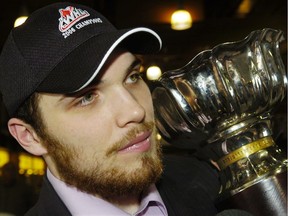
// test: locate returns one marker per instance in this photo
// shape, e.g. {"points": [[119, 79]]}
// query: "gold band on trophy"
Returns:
{"points": [[245, 151]]}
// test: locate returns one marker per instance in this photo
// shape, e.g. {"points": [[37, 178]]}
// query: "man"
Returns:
{"points": [[72, 87]]}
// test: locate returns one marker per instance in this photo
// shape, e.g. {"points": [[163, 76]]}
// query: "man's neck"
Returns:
{"points": [[128, 204]]}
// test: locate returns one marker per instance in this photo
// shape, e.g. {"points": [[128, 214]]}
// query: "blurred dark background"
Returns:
{"points": [[214, 22]]}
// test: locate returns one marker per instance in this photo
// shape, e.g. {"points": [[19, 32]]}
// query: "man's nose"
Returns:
{"points": [[128, 108]]}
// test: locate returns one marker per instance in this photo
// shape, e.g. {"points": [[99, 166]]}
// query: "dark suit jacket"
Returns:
{"points": [[187, 187]]}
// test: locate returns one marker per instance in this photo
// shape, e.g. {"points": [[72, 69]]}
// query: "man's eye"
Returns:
{"points": [[133, 78], [87, 99]]}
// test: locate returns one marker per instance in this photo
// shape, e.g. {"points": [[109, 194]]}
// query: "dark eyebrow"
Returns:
{"points": [[135, 63]]}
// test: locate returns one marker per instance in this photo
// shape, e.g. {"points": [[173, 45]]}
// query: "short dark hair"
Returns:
{"points": [[30, 114]]}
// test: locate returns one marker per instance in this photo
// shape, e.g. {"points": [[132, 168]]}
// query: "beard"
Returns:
{"points": [[105, 179]]}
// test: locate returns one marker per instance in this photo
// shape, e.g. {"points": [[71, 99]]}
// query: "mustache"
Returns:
{"points": [[130, 135]]}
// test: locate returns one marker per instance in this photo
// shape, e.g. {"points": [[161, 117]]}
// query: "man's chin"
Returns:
{"points": [[132, 161], [118, 181]]}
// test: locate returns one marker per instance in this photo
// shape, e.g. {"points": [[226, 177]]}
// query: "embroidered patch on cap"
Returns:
{"points": [[69, 20]]}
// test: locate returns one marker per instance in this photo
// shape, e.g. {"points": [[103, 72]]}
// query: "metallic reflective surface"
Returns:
{"points": [[223, 86], [268, 197], [225, 96]]}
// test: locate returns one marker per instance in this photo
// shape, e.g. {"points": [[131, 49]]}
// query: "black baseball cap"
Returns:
{"points": [[60, 49]]}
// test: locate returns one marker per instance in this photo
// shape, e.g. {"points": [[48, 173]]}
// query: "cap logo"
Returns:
{"points": [[71, 16]]}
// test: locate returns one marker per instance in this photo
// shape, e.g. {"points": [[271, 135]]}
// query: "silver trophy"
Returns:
{"points": [[225, 96]]}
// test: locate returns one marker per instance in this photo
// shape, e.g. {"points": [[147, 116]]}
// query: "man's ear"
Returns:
{"points": [[26, 136]]}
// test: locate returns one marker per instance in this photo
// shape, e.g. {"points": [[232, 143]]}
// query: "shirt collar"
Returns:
{"points": [[152, 196], [80, 203]]}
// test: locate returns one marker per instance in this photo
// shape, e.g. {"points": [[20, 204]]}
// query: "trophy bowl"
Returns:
{"points": [[225, 96]]}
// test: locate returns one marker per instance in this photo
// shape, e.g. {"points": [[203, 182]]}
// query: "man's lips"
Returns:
{"points": [[140, 144]]}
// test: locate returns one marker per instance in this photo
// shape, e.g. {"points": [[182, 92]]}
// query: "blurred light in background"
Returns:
{"points": [[25, 163], [153, 72], [4, 156], [20, 20], [158, 136], [31, 165], [244, 8], [181, 20]]}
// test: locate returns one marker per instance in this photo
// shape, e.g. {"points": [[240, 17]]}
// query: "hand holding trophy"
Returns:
{"points": [[227, 94]]}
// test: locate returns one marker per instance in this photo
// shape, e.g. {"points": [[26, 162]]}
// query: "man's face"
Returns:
{"points": [[102, 139]]}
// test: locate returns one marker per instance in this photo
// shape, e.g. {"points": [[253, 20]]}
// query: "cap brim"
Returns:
{"points": [[83, 64]]}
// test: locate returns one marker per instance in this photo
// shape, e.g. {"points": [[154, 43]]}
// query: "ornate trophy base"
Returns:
{"points": [[265, 198]]}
